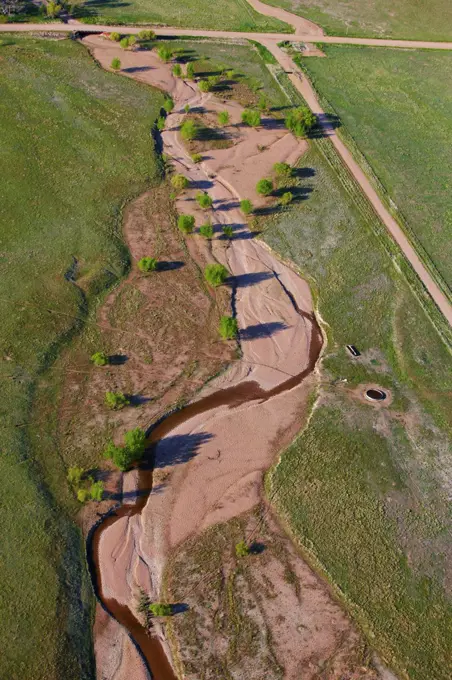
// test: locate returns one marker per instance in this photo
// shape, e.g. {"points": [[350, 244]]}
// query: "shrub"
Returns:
{"points": [[187, 108], [264, 187], [251, 118], [204, 86], [74, 476], [283, 170], [160, 609], [124, 456], [242, 549], [262, 103], [190, 71], [186, 223], [96, 491], [228, 231], [147, 264], [168, 104], [206, 230], [135, 441], [116, 64], [165, 53], [179, 182], [300, 121], [197, 158], [228, 327], [223, 118], [204, 201], [286, 198], [246, 206], [99, 359], [177, 70], [115, 36], [146, 35], [53, 9], [161, 122], [116, 400], [213, 81], [231, 74], [124, 43], [82, 495], [132, 40], [215, 274], [189, 130]]}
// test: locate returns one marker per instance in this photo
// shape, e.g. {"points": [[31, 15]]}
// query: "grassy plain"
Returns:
{"points": [[397, 107], [415, 19], [228, 15], [76, 146]]}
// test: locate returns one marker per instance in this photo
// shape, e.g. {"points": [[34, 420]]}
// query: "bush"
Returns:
{"points": [[186, 223], [231, 74], [251, 118], [147, 264], [115, 36], [300, 121], [215, 274], [146, 35], [204, 201], [116, 400], [132, 40], [165, 53], [286, 198], [187, 108], [179, 182], [262, 103], [124, 456], [223, 118], [189, 130], [242, 549], [99, 359], [124, 43], [213, 81], [228, 231], [190, 71], [96, 491], [246, 206], [228, 327], [264, 187], [168, 104], [204, 86], [177, 70], [206, 230], [283, 170], [82, 495], [161, 122], [197, 158], [135, 441], [53, 9], [160, 609], [74, 476], [116, 64]]}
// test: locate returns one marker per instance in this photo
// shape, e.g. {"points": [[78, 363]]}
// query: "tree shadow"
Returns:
{"points": [[262, 330], [138, 399], [117, 359], [176, 449], [257, 548], [303, 173], [179, 608], [202, 184], [226, 204], [169, 266], [136, 69], [326, 124], [246, 280]]}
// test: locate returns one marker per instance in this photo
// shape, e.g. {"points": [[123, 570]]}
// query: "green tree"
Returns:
{"points": [[223, 118], [242, 549], [189, 130], [146, 35], [53, 9], [147, 264], [74, 476], [228, 231], [168, 104], [204, 86], [246, 206], [96, 491], [135, 442], [160, 609], [180, 182], [132, 40], [300, 121], [196, 158], [161, 122], [177, 70], [262, 104], [186, 223], [190, 71], [187, 108], [206, 230], [264, 187], [99, 359], [286, 198], [165, 53], [124, 43], [133, 450], [82, 495], [251, 118], [116, 400], [115, 36], [228, 327], [283, 170], [215, 274], [204, 200], [213, 81], [116, 64]]}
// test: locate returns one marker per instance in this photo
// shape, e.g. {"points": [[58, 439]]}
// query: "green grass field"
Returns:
{"points": [[406, 19], [397, 107], [76, 145], [228, 15]]}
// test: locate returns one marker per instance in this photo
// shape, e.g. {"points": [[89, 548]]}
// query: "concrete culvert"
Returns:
{"points": [[375, 394]]}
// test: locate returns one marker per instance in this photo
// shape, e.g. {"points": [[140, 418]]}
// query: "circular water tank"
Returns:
{"points": [[375, 394]]}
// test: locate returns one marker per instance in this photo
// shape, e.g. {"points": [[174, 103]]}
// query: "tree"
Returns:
{"points": [[264, 187], [213, 81], [215, 274], [160, 609], [165, 53], [204, 200], [300, 121], [228, 327], [204, 86], [96, 491], [206, 230], [135, 442], [196, 158], [99, 359], [177, 70], [53, 9], [74, 476], [147, 264], [186, 223], [179, 182], [132, 40], [286, 198], [115, 36], [168, 104], [146, 35], [190, 71], [189, 130], [242, 549], [82, 495], [116, 64], [223, 118], [283, 170], [133, 450], [262, 103], [161, 122], [246, 206], [251, 118], [116, 400], [228, 231], [10, 7], [187, 108], [124, 43]]}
